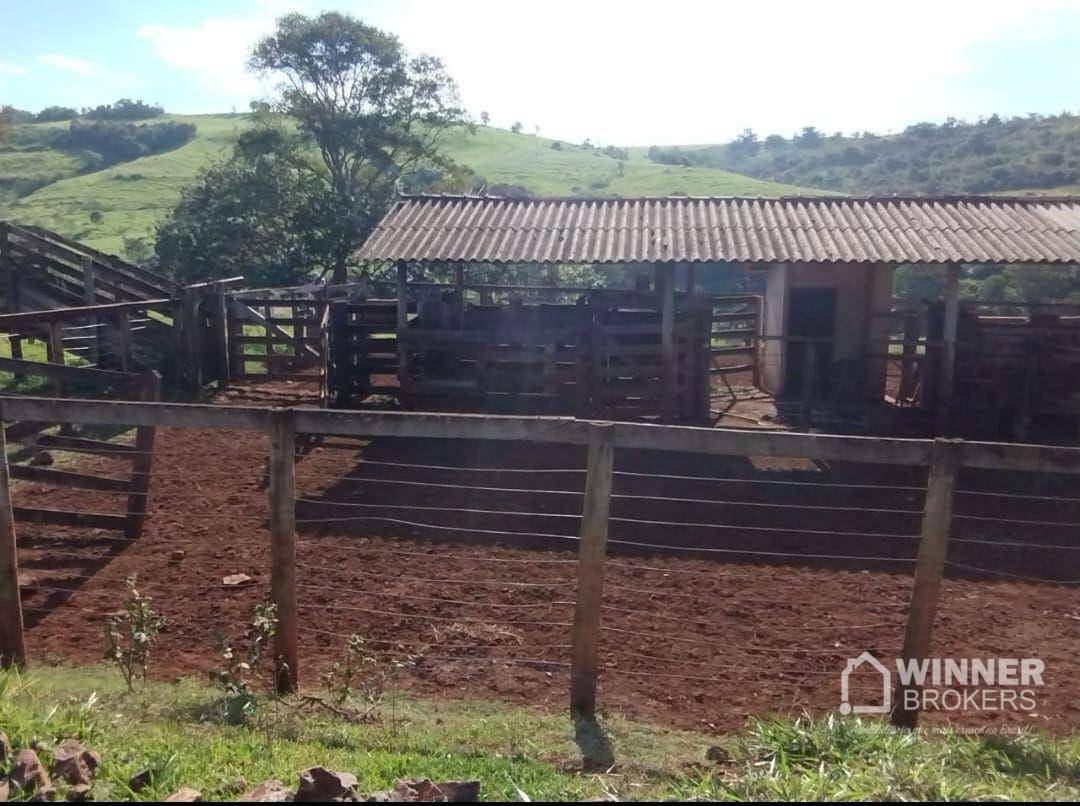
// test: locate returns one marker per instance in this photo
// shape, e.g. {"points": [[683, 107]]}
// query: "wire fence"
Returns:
{"points": [[707, 585]]}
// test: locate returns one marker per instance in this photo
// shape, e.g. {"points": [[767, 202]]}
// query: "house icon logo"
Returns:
{"points": [[886, 688]]}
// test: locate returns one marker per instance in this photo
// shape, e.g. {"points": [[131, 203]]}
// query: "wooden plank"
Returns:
{"points": [[66, 373], [402, 325], [12, 638], [64, 517], [83, 445], [78, 312], [930, 566], [592, 549], [283, 549], [68, 478]]}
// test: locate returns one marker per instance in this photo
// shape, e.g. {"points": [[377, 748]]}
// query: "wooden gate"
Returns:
{"points": [[627, 357], [278, 339]]}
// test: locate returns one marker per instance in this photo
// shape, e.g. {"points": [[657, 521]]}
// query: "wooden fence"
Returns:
{"points": [[944, 458], [271, 338]]}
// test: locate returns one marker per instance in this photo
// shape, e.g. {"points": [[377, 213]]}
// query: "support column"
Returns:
{"points": [[585, 659], [282, 472], [12, 640], [929, 568], [665, 279], [402, 325], [948, 353]]}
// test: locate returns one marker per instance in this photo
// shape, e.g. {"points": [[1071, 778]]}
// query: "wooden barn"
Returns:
{"points": [[826, 333]]}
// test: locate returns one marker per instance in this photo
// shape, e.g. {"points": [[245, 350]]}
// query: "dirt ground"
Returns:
{"points": [[761, 622]]}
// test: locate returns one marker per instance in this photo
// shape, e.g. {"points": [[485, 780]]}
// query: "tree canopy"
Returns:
{"points": [[371, 111]]}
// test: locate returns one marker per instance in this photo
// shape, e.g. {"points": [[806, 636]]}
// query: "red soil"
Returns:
{"points": [[695, 640]]}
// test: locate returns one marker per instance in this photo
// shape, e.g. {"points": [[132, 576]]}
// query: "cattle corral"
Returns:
{"points": [[741, 592]]}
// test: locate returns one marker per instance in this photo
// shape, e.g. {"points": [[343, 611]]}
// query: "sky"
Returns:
{"points": [[626, 73]]}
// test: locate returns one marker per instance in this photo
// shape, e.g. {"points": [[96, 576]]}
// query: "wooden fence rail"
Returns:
{"points": [[944, 458]]}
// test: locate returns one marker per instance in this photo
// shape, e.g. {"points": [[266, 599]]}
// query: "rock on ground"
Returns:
{"points": [[73, 763], [28, 773], [318, 785], [185, 795], [268, 792]]}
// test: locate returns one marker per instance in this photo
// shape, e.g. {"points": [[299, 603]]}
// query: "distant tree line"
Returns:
{"points": [[124, 109], [990, 155], [105, 142]]}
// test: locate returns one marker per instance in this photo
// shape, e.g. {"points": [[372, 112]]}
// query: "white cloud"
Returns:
{"points": [[8, 69], [72, 64]]}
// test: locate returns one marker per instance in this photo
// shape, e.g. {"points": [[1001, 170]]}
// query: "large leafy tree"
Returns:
{"points": [[258, 214], [372, 112]]}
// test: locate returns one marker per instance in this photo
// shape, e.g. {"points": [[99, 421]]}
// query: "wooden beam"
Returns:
{"points": [[585, 654], [63, 372], [930, 567], [64, 517], [943, 414], [283, 549], [12, 639], [9, 320], [68, 478], [564, 430]]}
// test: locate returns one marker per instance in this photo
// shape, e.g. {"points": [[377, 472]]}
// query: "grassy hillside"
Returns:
{"points": [[133, 196], [1036, 153]]}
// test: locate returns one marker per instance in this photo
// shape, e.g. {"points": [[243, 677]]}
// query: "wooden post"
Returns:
{"points": [[690, 271], [123, 326], [929, 568], [585, 661], [55, 352], [283, 548], [1027, 404], [908, 357], [12, 639], [948, 353], [459, 283], [7, 268], [340, 366], [93, 344], [142, 463], [189, 326], [758, 342], [810, 383], [220, 335], [666, 291], [402, 325]]}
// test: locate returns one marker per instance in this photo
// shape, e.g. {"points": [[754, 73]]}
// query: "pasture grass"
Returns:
{"points": [[173, 730]]}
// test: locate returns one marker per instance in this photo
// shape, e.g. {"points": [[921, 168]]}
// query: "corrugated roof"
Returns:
{"points": [[826, 229]]}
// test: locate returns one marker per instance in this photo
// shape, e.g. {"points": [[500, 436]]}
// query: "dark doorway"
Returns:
{"points": [[811, 315]]}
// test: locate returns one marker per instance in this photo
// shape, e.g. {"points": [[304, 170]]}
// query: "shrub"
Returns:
{"points": [[124, 109], [130, 633], [104, 143], [53, 113]]}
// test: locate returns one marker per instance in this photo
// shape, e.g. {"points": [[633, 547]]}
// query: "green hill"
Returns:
{"points": [[39, 185], [1037, 153]]}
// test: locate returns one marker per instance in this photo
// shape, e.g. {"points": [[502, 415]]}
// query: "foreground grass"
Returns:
{"points": [[174, 730]]}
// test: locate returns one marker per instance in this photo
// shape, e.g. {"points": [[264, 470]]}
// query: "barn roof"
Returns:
{"points": [[825, 229]]}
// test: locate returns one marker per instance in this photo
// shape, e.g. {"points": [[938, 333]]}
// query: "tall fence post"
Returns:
{"points": [[585, 661], [283, 547], [189, 328], [220, 335], [12, 640], [142, 464], [929, 568]]}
